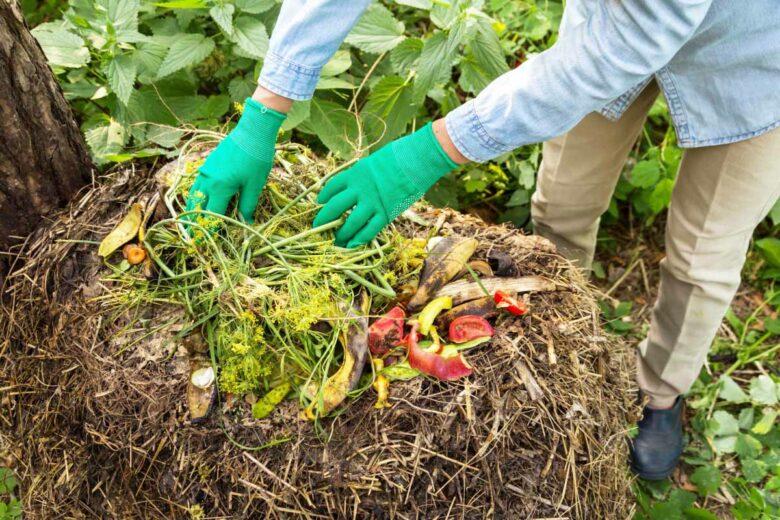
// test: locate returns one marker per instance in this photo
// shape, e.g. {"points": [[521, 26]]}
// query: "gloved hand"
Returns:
{"points": [[239, 164], [382, 186]]}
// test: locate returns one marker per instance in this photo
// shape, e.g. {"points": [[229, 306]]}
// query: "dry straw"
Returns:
{"points": [[539, 431]]}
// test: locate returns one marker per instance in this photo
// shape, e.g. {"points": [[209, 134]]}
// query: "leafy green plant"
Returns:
{"points": [[733, 446], [10, 506], [617, 317]]}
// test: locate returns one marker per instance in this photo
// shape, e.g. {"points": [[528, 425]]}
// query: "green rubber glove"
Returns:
{"points": [[382, 186], [240, 164]]}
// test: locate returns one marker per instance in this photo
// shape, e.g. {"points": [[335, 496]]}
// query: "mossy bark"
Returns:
{"points": [[43, 156]]}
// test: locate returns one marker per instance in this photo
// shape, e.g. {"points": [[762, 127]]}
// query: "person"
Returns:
{"points": [[717, 62]]}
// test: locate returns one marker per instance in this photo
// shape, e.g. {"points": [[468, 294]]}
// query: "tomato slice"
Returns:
{"points": [[466, 328], [386, 332], [433, 364], [510, 304]]}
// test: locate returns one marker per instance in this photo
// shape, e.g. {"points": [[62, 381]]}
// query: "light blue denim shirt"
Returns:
{"points": [[717, 62]]}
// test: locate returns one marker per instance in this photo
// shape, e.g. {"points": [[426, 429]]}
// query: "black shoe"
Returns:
{"points": [[656, 450]]}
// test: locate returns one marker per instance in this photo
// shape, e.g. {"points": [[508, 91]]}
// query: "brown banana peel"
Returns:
{"points": [[354, 339], [444, 262], [484, 307]]}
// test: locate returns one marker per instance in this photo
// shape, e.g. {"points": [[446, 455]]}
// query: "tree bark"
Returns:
{"points": [[43, 156]]}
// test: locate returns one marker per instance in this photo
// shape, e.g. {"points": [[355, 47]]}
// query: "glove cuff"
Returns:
{"points": [[257, 129], [422, 158]]}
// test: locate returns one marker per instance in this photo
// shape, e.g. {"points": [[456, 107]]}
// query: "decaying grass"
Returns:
{"points": [[95, 423]]}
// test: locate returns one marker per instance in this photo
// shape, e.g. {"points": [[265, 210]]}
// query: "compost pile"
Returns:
{"points": [[521, 417]]}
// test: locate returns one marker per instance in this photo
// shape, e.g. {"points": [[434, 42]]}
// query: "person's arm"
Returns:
{"points": [[621, 44], [306, 35]]}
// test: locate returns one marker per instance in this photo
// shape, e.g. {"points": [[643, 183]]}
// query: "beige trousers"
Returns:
{"points": [[721, 194]]}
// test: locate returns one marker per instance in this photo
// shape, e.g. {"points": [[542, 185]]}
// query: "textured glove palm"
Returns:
{"points": [[240, 164], [382, 186]]}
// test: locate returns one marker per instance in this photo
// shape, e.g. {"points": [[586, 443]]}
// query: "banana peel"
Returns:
{"points": [[381, 385], [484, 307], [444, 262], [124, 232], [355, 342]]}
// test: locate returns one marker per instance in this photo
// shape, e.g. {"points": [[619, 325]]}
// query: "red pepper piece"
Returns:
{"points": [[434, 364], [466, 328], [510, 304], [386, 332]]}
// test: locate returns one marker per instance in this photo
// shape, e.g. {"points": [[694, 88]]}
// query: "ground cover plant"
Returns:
{"points": [[730, 466]]}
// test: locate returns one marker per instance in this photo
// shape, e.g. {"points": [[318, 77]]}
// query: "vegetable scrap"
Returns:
{"points": [[509, 303], [275, 309]]}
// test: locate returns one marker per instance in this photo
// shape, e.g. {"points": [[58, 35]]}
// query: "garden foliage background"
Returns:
{"points": [[142, 76]]}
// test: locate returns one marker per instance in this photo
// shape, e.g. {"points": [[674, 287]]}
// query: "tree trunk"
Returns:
{"points": [[43, 156]]}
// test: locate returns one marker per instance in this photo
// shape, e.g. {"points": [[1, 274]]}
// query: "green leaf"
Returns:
{"points": [[334, 84], [181, 4], [726, 423], [661, 195], [695, 513], [214, 108], [123, 16], [764, 426], [297, 115], [774, 213], [389, 109], [420, 4], [223, 15], [405, 56], [106, 139], [340, 62], [250, 35], [517, 216], [731, 391], [645, 174], [377, 30], [747, 446], [255, 6], [763, 390], [79, 90], [772, 326], [61, 47], [444, 194], [7, 481], [754, 470], [707, 479], [435, 61], [121, 76], [335, 126], [672, 509], [188, 49], [519, 197], [242, 87], [746, 416], [148, 57], [770, 250], [724, 428], [484, 60], [165, 136]]}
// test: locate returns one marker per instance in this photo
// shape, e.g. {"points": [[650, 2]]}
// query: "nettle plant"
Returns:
{"points": [[139, 75]]}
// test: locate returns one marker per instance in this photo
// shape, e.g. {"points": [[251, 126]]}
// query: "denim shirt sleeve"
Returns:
{"points": [[617, 47], [306, 35]]}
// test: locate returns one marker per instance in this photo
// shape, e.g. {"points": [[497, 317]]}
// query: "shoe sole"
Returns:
{"points": [[653, 475]]}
